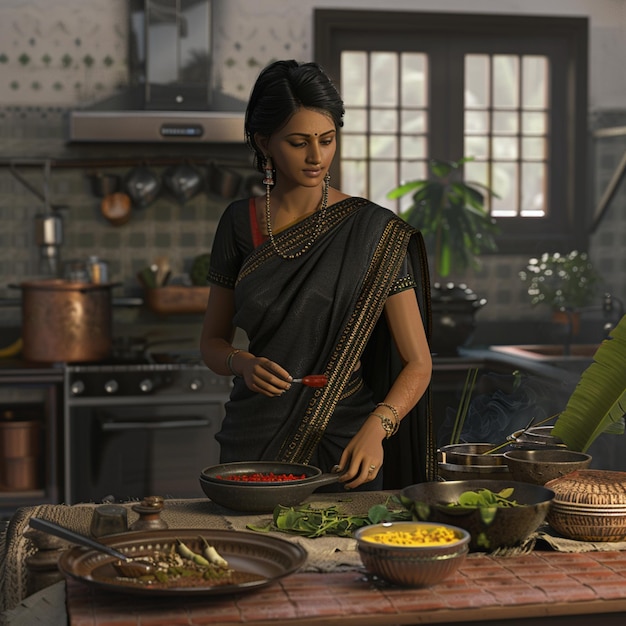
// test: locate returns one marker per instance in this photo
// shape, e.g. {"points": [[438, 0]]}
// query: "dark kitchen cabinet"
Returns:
{"points": [[30, 409]]}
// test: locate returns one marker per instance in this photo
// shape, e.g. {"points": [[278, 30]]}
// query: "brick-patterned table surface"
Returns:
{"points": [[542, 584]]}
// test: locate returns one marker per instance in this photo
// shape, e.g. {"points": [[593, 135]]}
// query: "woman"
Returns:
{"points": [[322, 283]]}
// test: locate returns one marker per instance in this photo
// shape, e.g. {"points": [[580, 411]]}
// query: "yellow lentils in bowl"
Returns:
{"points": [[412, 554]]}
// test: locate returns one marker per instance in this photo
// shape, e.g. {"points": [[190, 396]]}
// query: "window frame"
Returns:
{"points": [[566, 40]]}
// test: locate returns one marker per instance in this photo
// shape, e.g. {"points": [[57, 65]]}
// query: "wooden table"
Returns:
{"points": [[541, 587], [544, 586]]}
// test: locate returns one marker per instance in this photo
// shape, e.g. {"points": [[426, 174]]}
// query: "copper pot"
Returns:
{"points": [[66, 321]]}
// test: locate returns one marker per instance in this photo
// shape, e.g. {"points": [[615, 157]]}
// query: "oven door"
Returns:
{"points": [[133, 452]]}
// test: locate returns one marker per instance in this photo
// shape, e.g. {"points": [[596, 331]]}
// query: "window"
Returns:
{"points": [[509, 91]]}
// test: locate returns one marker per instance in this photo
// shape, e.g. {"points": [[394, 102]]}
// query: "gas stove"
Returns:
{"points": [[156, 374]]}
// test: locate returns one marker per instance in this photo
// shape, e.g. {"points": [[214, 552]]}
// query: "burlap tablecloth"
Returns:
{"points": [[324, 554]]}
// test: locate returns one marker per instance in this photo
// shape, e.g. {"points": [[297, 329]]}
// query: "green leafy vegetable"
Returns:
{"points": [[310, 521]]}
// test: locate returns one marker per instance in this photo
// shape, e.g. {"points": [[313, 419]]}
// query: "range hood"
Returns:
{"points": [[171, 94]]}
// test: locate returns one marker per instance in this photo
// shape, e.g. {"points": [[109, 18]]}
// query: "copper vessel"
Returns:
{"points": [[66, 321]]}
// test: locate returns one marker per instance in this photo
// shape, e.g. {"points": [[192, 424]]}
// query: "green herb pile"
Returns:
{"points": [[310, 521]]}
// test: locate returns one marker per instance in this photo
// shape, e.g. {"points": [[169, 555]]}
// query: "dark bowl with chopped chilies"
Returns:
{"points": [[506, 522], [259, 486]]}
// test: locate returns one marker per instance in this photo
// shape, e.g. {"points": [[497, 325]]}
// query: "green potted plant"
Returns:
{"points": [[561, 280], [457, 228], [564, 282]]}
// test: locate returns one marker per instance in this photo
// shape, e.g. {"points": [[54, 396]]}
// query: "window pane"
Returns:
{"points": [[383, 146], [355, 121], [384, 79], [534, 123], [477, 81], [413, 170], [381, 172], [409, 170], [383, 120], [533, 148], [534, 82], [476, 122], [414, 121], [533, 190], [504, 148], [505, 122], [353, 146], [478, 172], [505, 81], [354, 78], [414, 79], [413, 147], [505, 185], [354, 178], [477, 147]]}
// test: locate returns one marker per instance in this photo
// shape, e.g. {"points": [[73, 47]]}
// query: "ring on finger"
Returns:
{"points": [[372, 468]]}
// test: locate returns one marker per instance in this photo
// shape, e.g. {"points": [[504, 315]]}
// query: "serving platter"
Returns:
{"points": [[256, 560]]}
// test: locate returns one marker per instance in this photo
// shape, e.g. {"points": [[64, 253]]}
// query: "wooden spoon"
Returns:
{"points": [[125, 565]]}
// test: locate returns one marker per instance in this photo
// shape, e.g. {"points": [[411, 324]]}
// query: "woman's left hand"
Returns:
{"points": [[363, 456]]}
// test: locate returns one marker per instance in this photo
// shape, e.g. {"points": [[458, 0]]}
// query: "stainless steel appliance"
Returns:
{"points": [[141, 428], [172, 93]]}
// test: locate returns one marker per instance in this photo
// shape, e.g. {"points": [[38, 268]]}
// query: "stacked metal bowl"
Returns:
{"points": [[472, 461], [589, 505]]}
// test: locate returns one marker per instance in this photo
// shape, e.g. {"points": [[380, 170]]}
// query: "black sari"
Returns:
{"points": [[321, 313]]}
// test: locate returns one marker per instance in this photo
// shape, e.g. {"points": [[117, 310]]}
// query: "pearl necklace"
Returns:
{"points": [[318, 224]]}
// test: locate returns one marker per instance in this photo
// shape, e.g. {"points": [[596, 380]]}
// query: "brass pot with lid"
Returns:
{"points": [[66, 321]]}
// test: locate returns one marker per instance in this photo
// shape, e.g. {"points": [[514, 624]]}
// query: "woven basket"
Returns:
{"points": [[589, 505]]}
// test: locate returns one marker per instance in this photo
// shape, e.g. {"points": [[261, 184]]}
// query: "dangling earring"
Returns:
{"points": [[268, 181]]}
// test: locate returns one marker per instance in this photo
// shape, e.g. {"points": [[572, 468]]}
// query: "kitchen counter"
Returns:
{"points": [[543, 586]]}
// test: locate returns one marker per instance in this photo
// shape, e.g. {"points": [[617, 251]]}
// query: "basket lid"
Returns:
{"points": [[590, 487]]}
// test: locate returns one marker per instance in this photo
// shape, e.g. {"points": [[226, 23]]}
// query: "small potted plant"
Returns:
{"points": [[564, 282], [561, 281], [457, 228]]}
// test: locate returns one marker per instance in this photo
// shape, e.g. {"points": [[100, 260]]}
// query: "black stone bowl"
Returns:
{"points": [[509, 526], [261, 497]]}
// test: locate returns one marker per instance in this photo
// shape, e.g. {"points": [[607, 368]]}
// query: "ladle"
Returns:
{"points": [[125, 565]]}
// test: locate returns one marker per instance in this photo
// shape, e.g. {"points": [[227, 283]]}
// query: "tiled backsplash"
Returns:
{"points": [[166, 227]]}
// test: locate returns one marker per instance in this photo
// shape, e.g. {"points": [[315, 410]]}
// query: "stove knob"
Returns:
{"points": [[111, 386], [196, 384], [146, 385], [77, 387]]}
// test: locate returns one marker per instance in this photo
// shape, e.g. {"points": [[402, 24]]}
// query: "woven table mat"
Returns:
{"points": [[328, 553], [325, 553]]}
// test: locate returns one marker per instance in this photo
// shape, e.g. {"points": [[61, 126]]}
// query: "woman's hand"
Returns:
{"points": [[363, 456], [262, 375]]}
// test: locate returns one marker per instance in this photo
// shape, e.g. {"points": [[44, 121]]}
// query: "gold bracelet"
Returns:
{"points": [[388, 425], [229, 361], [393, 409]]}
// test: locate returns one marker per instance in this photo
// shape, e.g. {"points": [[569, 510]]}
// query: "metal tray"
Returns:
{"points": [[257, 560]]}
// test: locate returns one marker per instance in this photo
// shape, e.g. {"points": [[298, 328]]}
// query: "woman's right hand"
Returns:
{"points": [[262, 375]]}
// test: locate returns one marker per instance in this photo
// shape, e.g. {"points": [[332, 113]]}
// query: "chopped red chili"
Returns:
{"points": [[259, 477]]}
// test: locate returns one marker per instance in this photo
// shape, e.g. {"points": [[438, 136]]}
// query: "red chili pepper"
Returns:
{"points": [[259, 477], [312, 380]]}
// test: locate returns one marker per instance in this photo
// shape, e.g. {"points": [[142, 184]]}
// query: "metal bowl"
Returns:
{"points": [[540, 466], [411, 566], [261, 497], [470, 454], [538, 437], [509, 527]]}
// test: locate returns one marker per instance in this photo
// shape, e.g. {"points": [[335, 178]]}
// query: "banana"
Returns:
{"points": [[11, 350]]}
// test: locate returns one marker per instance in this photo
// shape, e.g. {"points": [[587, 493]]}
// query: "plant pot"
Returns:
{"points": [[453, 309]]}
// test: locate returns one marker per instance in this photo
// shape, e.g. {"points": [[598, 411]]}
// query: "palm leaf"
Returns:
{"points": [[598, 403]]}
